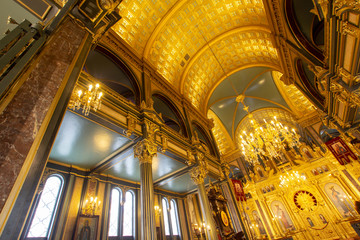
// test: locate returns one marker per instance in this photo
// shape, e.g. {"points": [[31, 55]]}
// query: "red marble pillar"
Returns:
{"points": [[31, 106]]}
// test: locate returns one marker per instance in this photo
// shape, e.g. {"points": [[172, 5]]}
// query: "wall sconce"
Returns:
{"points": [[157, 211], [90, 206]]}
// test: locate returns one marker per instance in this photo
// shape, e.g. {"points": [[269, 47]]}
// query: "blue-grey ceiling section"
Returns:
{"points": [[259, 89], [84, 143], [237, 81]]}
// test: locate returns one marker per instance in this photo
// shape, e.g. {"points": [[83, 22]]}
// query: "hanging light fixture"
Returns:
{"points": [[267, 139], [91, 98], [291, 179]]}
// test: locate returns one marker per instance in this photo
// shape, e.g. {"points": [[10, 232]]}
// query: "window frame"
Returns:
{"points": [[121, 215], [50, 228], [167, 211]]}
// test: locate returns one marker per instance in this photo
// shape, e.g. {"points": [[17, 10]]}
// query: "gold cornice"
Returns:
{"points": [[121, 47], [260, 28]]}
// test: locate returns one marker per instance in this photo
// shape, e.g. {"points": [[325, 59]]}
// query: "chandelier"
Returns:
{"points": [[91, 98], [291, 179], [267, 139]]}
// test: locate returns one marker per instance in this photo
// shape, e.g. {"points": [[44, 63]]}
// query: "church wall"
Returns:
{"points": [[79, 188]]}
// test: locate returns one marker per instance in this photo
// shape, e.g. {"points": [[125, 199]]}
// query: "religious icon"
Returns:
{"points": [[339, 199], [325, 168], [86, 228], [307, 153], [259, 223], [315, 172], [310, 222], [339, 149], [322, 218], [281, 214]]}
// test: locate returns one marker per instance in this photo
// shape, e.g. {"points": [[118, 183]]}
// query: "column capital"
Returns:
{"points": [[145, 150], [198, 173]]}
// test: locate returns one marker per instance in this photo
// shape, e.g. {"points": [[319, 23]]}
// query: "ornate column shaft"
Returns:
{"points": [[198, 175], [145, 150]]}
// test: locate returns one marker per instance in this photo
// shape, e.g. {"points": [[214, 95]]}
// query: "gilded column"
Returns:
{"points": [[198, 174], [145, 150]]}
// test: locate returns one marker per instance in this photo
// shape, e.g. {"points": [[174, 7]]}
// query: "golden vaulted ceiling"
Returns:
{"points": [[197, 44]]}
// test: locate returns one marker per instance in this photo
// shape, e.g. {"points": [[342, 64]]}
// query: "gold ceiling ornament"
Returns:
{"points": [[87, 100], [267, 139], [291, 179]]}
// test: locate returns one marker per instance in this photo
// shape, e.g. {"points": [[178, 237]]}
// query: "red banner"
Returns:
{"points": [[239, 191], [340, 150]]}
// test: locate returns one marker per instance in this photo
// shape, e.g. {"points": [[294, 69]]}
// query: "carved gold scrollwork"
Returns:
{"points": [[324, 6], [339, 4], [131, 124], [198, 173], [350, 29], [145, 150], [190, 158], [151, 129], [335, 87]]}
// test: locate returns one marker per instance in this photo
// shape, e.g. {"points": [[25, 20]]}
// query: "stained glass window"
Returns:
{"points": [[174, 218], [46, 208], [165, 207], [128, 223], [114, 212]]}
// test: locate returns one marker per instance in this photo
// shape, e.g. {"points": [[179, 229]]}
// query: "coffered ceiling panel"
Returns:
{"points": [[236, 51], [174, 36]]}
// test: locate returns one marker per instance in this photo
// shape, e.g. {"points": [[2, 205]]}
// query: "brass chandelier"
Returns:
{"points": [[267, 139], [91, 98]]}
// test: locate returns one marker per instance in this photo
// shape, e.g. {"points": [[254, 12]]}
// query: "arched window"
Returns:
{"points": [[174, 218], [165, 206], [122, 215], [43, 218], [129, 213], [171, 220], [114, 216]]}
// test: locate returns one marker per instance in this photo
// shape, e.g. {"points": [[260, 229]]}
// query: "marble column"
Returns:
{"points": [[198, 175], [145, 150], [25, 115]]}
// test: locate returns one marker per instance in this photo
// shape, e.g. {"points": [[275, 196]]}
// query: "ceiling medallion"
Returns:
{"points": [[305, 200], [240, 98]]}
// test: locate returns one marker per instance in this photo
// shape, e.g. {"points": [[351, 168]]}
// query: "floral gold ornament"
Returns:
{"points": [[305, 201], [87, 100]]}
